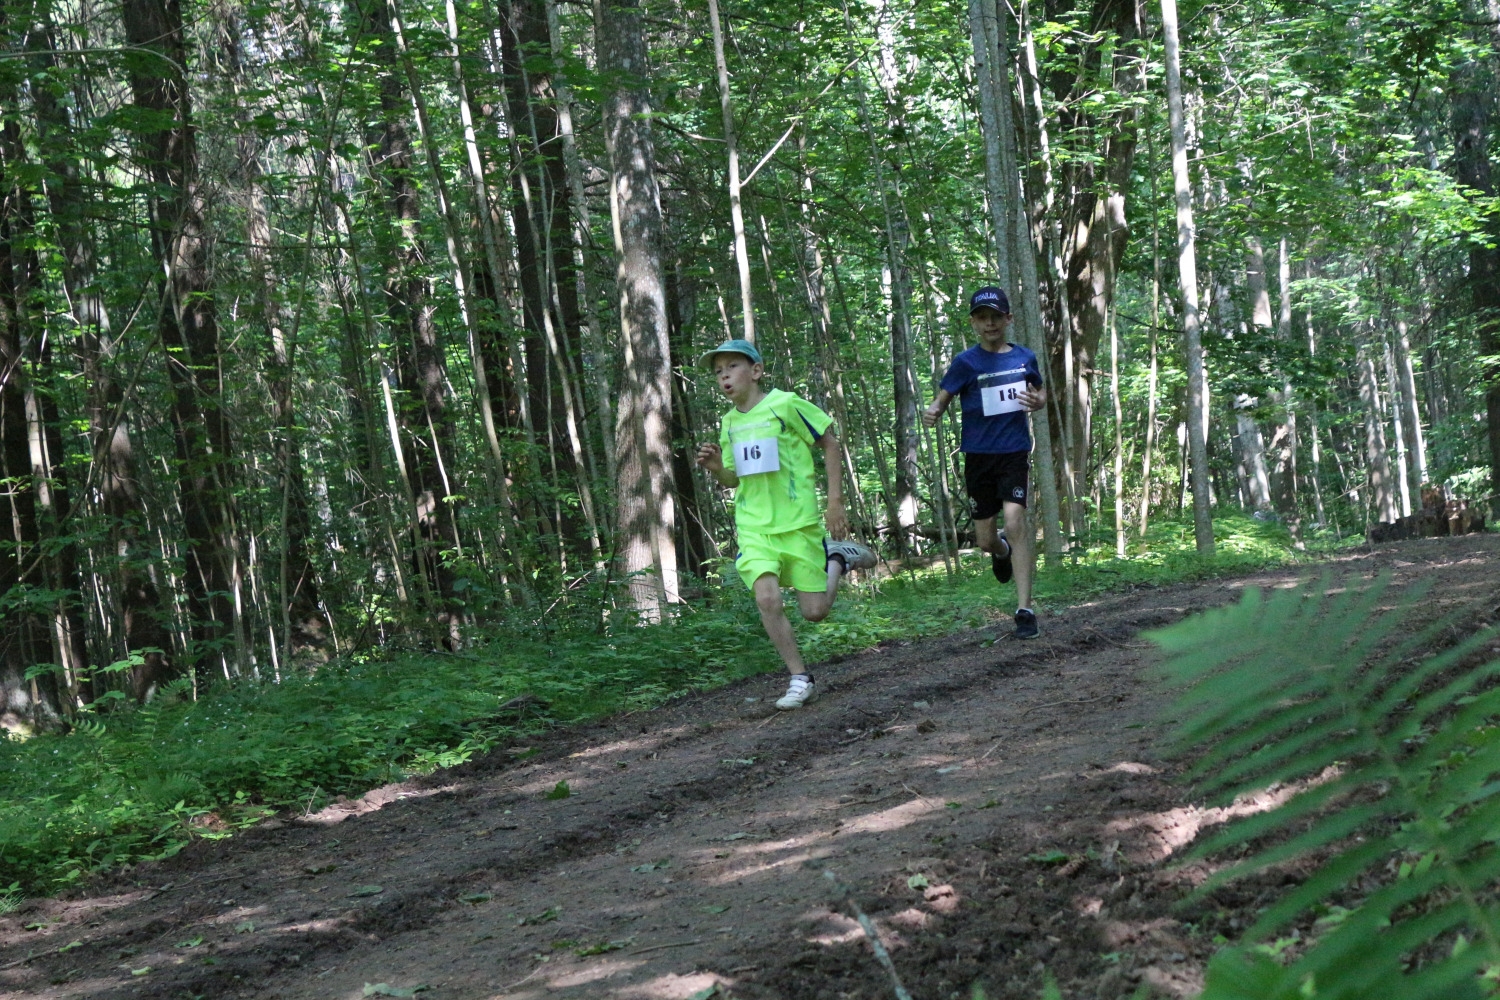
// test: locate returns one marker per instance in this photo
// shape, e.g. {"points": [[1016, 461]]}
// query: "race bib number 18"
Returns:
{"points": [[999, 399], [760, 455]]}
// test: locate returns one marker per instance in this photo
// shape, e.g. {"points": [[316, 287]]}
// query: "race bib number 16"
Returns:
{"points": [[760, 455], [999, 399]]}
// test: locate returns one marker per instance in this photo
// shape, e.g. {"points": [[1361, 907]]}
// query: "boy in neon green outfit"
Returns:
{"points": [[765, 451]]}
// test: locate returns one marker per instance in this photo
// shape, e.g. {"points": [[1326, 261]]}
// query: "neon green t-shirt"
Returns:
{"points": [[770, 449]]}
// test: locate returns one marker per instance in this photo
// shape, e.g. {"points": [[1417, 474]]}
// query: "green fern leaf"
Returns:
{"points": [[1381, 742]]}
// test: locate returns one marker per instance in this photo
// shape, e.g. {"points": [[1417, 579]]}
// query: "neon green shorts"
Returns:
{"points": [[797, 558]]}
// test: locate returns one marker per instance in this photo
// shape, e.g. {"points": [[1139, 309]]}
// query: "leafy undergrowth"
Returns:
{"points": [[141, 783]]}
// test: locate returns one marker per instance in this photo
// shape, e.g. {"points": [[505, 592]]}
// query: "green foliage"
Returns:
{"points": [[1380, 733], [135, 784]]}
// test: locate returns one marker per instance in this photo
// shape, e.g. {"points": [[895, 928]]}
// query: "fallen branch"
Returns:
{"points": [[1071, 701], [868, 926], [672, 944]]}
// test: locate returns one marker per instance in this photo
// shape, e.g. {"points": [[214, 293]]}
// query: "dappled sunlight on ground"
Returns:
{"points": [[674, 987], [1165, 833], [373, 801]]}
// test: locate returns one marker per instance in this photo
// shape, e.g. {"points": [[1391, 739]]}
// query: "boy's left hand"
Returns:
{"points": [[1032, 397], [837, 521]]}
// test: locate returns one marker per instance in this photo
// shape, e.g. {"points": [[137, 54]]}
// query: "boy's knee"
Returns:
{"points": [[816, 614], [769, 602]]}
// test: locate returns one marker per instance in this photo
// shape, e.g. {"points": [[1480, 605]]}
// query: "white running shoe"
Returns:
{"points": [[855, 555], [799, 692]]}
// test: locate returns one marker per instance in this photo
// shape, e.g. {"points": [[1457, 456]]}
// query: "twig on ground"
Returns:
{"points": [[868, 926], [19, 961], [991, 749], [519, 982], [769, 718], [1070, 701], [670, 944]]}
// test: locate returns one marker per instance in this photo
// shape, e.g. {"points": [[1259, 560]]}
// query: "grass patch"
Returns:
{"points": [[140, 783]]}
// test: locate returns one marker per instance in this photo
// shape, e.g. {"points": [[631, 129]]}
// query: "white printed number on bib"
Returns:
{"points": [[760, 455], [999, 399]]}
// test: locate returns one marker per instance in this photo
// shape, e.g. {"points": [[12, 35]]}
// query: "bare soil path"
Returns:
{"points": [[996, 807]]}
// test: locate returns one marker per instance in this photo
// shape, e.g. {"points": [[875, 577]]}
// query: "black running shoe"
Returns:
{"points": [[1001, 564], [1026, 625]]}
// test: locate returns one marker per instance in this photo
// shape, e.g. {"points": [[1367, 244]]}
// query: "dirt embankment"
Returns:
{"points": [[997, 808]]}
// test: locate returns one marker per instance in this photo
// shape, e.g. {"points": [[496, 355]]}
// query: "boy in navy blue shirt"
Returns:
{"points": [[998, 383]]}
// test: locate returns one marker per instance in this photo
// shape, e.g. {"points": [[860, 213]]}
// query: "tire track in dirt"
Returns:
{"points": [[692, 848]]}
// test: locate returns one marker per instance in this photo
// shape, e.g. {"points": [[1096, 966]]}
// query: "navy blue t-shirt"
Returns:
{"points": [[986, 384]]}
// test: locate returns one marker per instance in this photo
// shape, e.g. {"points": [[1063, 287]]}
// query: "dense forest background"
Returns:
{"points": [[331, 325]]}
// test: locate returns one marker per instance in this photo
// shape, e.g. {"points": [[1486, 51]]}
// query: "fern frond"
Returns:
{"points": [[1396, 736]]}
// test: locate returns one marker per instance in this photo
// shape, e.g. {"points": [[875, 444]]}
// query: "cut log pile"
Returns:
{"points": [[1441, 514]]}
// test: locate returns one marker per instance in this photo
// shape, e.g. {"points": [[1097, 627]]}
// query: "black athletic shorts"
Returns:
{"points": [[994, 480]]}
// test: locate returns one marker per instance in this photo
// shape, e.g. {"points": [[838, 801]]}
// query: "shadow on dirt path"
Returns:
{"points": [[995, 806]]}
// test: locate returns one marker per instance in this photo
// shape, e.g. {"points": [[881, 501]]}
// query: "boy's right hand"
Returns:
{"points": [[931, 414], [710, 457]]}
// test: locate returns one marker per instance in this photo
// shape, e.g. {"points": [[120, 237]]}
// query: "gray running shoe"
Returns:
{"points": [[799, 692], [854, 555]]}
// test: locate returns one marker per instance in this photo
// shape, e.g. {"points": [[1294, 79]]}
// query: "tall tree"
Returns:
{"points": [[645, 517], [425, 446], [188, 328], [1187, 279], [1473, 99]]}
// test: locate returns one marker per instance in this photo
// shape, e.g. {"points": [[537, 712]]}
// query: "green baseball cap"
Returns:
{"points": [[736, 346]]}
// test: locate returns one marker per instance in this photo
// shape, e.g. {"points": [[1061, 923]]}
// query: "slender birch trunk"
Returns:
{"points": [[1114, 396], [1151, 383], [1377, 457], [1398, 434], [1312, 419], [1187, 270], [736, 212], [1416, 442]]}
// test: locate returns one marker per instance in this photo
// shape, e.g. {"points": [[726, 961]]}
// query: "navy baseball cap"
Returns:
{"points": [[989, 297], [731, 347]]}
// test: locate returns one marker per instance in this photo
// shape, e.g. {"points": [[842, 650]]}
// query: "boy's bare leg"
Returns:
{"points": [[767, 591], [1022, 551], [1021, 547], [816, 605]]}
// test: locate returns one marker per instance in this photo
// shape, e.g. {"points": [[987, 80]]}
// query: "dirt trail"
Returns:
{"points": [[997, 808]]}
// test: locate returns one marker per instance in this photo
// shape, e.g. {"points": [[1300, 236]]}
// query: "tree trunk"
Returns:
{"points": [[1187, 274], [582, 228], [189, 330], [1016, 256], [736, 212], [1472, 96], [1284, 440], [1147, 453], [1398, 433], [646, 517], [1119, 449], [422, 426], [542, 214], [300, 606], [1416, 442], [1377, 458], [1097, 231], [903, 505], [32, 693]]}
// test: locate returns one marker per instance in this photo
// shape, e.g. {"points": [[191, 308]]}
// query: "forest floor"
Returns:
{"points": [[998, 808]]}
